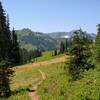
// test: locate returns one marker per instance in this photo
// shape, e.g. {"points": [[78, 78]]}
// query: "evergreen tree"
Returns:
{"points": [[62, 47], [4, 35], [24, 55], [37, 53], [5, 73], [9, 38], [97, 44], [15, 49], [55, 52], [5, 44], [66, 45], [28, 55], [80, 53]]}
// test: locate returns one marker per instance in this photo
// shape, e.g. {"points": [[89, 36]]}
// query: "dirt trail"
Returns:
{"points": [[43, 75], [33, 93]]}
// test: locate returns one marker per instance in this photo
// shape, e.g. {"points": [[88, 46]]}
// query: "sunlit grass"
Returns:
{"points": [[28, 77], [46, 56]]}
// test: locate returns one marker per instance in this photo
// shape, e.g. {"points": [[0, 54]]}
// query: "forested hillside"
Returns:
{"points": [[45, 41], [31, 40]]}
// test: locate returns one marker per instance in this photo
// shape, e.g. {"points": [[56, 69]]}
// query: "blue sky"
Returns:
{"points": [[53, 15]]}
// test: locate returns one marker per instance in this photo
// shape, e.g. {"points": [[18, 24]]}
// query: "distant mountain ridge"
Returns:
{"points": [[31, 40], [68, 35]]}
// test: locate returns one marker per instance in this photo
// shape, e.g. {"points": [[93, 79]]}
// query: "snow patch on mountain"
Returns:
{"points": [[66, 36]]}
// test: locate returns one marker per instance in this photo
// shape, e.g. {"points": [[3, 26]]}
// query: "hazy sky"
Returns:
{"points": [[53, 15]]}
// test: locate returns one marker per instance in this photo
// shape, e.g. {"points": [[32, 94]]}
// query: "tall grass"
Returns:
{"points": [[26, 78], [58, 87]]}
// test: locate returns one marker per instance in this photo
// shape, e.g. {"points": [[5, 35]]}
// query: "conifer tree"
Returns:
{"points": [[62, 47], [55, 52], [5, 44], [66, 45], [8, 32], [80, 53], [15, 49], [97, 44], [3, 40]]}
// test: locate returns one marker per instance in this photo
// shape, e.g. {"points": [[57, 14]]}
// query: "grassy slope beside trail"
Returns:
{"points": [[47, 55], [24, 79], [57, 87], [26, 76]]}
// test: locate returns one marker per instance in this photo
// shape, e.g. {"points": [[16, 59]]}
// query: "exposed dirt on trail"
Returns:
{"points": [[33, 93]]}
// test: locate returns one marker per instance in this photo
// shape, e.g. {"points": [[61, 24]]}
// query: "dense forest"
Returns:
{"points": [[75, 78]]}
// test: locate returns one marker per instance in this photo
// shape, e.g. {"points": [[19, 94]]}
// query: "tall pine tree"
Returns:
{"points": [[62, 47], [97, 44], [5, 44], [66, 45], [15, 55], [80, 54]]}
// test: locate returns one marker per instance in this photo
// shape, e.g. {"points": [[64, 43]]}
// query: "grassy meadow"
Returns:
{"points": [[56, 86], [47, 55], [30, 77], [27, 76]]}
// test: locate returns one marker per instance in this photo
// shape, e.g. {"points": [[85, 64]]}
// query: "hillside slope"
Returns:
{"points": [[27, 76], [29, 39], [56, 86]]}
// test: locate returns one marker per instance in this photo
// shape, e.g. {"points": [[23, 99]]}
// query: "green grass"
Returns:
{"points": [[21, 95], [27, 77], [47, 55], [88, 88], [58, 87], [54, 88]]}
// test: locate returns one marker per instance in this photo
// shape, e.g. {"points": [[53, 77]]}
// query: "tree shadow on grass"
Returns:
{"points": [[21, 90]]}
